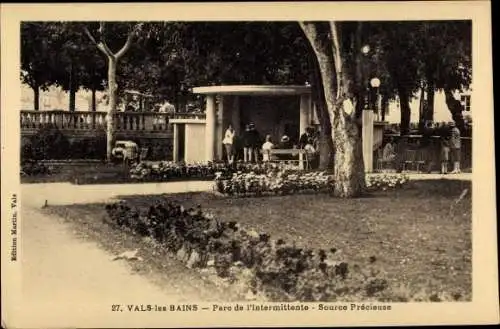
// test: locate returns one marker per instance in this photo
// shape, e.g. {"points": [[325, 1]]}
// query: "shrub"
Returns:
{"points": [[26, 151], [49, 143], [89, 148], [34, 168], [278, 269]]}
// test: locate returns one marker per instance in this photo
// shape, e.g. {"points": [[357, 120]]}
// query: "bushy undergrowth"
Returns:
{"points": [[275, 268], [35, 168], [49, 143]]}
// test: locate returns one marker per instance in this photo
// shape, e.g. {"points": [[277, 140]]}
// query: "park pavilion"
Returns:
{"points": [[274, 109]]}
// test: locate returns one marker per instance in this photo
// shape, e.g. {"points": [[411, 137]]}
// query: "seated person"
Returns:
{"points": [[388, 154], [266, 149], [309, 148], [307, 137], [285, 144]]}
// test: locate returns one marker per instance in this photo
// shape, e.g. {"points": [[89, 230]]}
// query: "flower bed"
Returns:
{"points": [[262, 266], [282, 182], [274, 182], [386, 181], [168, 170], [248, 179]]}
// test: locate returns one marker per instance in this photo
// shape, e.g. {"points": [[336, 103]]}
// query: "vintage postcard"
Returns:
{"points": [[248, 164]]}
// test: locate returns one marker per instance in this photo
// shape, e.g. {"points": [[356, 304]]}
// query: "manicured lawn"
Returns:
{"points": [[419, 235]]}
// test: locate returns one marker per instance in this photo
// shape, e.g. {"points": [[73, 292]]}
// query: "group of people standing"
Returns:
{"points": [[251, 141], [451, 145], [253, 145]]}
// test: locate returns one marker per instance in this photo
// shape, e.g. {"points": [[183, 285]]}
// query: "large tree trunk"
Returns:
{"points": [[94, 103], [428, 106], [326, 148], [421, 110], [36, 98], [349, 172], [384, 106], [110, 117], [349, 167], [72, 89], [429, 109], [72, 97], [112, 85], [404, 101], [456, 109]]}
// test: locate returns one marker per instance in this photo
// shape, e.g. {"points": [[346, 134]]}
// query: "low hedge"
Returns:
{"points": [[275, 269], [35, 168]]}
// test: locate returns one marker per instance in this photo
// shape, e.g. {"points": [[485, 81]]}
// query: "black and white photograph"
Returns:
{"points": [[249, 164]]}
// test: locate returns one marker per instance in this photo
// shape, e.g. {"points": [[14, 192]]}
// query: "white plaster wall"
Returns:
{"points": [[194, 143]]}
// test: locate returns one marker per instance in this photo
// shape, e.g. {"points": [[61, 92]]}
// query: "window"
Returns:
{"points": [[465, 100]]}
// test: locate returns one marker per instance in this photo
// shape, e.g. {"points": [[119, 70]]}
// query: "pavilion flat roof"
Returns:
{"points": [[254, 90]]}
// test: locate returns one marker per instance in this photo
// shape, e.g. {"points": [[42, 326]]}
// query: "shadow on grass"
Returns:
{"points": [[416, 240], [439, 187]]}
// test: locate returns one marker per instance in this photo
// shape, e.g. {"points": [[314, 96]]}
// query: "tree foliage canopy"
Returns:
{"points": [[168, 58]]}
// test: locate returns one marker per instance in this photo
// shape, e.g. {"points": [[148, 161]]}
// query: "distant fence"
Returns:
{"points": [[417, 153]]}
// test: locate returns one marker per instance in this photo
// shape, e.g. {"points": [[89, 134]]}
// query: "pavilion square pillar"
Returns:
{"points": [[305, 113], [210, 128], [367, 139], [304, 120], [220, 126], [235, 114], [176, 143]]}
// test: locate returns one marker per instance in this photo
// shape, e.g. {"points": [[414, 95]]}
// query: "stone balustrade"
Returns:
{"points": [[88, 121]]}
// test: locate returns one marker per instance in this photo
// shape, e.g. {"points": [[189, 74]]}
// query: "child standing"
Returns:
{"points": [[455, 145], [266, 149]]}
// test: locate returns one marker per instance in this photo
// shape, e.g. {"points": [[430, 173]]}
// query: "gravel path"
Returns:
{"points": [[68, 282]]}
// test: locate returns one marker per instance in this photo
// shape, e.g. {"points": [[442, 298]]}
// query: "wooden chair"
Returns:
{"points": [[292, 152], [409, 159], [383, 163], [420, 159]]}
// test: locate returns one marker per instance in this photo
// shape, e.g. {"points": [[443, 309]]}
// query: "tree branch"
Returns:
{"points": [[91, 37], [127, 44], [337, 58], [100, 45]]}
